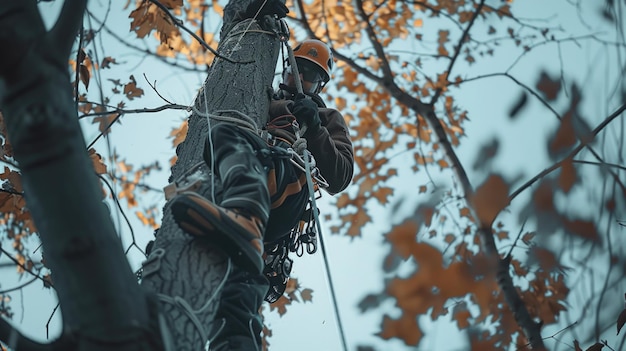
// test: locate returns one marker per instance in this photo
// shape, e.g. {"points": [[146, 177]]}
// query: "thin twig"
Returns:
{"points": [[573, 153], [139, 110], [457, 50], [153, 86], [18, 287]]}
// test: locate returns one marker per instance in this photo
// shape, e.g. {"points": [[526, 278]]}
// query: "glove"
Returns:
{"points": [[271, 7], [307, 113]]}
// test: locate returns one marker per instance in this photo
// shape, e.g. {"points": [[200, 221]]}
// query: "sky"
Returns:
{"points": [[355, 263]]}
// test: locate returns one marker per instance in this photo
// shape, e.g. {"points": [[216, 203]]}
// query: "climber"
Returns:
{"points": [[264, 194]]}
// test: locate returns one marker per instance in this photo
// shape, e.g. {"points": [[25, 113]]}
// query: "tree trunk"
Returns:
{"points": [[188, 274], [103, 306]]}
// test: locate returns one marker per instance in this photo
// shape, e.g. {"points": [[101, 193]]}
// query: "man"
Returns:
{"points": [[264, 195]]}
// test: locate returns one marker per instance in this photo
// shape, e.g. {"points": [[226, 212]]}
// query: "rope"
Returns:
{"points": [[301, 146], [181, 303], [309, 181]]}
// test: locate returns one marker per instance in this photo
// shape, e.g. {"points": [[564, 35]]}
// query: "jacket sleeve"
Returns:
{"points": [[332, 148]]}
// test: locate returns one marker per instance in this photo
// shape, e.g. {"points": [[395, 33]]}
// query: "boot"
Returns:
{"points": [[238, 234], [237, 224]]}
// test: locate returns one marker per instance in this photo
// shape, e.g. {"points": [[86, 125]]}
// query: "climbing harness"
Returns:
{"points": [[304, 235]]}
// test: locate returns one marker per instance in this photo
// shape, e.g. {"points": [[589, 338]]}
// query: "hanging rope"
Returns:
{"points": [[306, 155]]}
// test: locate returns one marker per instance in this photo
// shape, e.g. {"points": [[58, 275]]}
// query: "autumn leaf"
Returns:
{"points": [[131, 90], [84, 75], [550, 88], [179, 134], [403, 237], [543, 198], [107, 61], [13, 180], [565, 136], [307, 295], [595, 347], [47, 281], [280, 305], [567, 178], [405, 328], [97, 162], [443, 39], [490, 198], [105, 122], [577, 346], [584, 229]]}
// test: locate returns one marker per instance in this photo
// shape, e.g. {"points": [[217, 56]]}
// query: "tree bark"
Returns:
{"points": [[187, 274], [103, 306]]}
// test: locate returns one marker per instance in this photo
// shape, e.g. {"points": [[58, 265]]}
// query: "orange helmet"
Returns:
{"points": [[317, 52]]}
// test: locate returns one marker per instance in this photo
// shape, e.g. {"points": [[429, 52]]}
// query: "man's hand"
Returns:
{"points": [[267, 7], [307, 113]]}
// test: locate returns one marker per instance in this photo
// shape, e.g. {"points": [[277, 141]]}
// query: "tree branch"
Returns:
{"points": [[457, 50], [573, 153]]}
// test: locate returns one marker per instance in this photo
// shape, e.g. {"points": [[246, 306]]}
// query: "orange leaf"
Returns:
{"points": [[131, 90], [403, 237], [465, 212], [83, 73], [307, 295], [281, 305], [584, 229], [382, 194], [14, 180], [565, 136], [490, 198], [97, 162], [567, 179], [462, 317], [105, 122], [179, 134], [443, 39], [550, 88], [405, 328]]}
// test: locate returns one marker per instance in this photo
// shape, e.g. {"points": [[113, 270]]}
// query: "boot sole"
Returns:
{"points": [[187, 214]]}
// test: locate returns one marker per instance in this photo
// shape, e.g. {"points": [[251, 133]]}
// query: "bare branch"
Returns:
{"points": [[573, 153], [457, 50]]}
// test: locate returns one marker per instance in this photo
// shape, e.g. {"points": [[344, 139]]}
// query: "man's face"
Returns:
{"points": [[310, 76]]}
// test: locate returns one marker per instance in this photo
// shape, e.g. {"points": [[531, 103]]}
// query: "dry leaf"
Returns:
{"points": [[179, 134], [97, 162], [577, 346], [489, 199], [567, 178], [550, 88], [595, 347], [131, 90], [405, 328], [307, 295]]}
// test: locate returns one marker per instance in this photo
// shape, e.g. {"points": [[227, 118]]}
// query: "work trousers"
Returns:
{"points": [[243, 162]]}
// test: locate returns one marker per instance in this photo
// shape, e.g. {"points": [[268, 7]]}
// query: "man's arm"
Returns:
{"points": [[332, 148]]}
